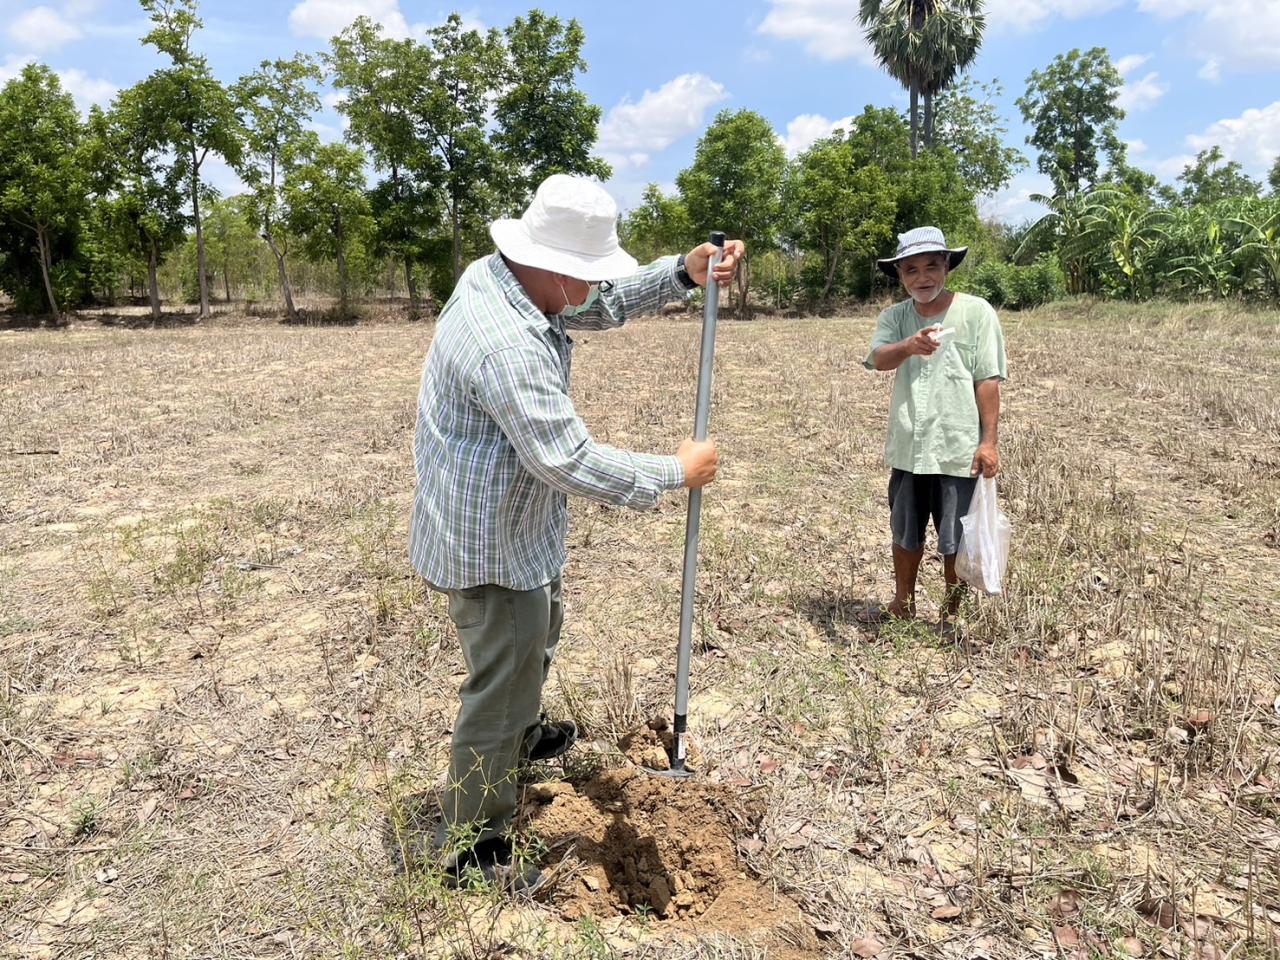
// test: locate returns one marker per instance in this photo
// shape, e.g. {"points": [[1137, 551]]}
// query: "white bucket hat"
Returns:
{"points": [[571, 227], [921, 240]]}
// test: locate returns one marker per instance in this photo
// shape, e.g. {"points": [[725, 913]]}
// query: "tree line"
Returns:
{"points": [[456, 128], [447, 132]]}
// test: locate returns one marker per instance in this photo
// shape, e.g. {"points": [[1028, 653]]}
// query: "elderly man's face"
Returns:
{"points": [[923, 275]]}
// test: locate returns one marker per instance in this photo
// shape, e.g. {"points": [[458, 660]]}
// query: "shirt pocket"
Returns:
{"points": [[957, 360]]}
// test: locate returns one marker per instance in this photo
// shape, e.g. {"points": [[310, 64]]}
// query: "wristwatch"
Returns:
{"points": [[682, 275]]}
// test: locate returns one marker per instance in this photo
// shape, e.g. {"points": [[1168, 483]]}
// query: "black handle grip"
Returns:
{"points": [[717, 237]]}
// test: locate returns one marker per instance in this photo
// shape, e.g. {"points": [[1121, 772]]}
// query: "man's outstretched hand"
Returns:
{"points": [[696, 260], [699, 459]]}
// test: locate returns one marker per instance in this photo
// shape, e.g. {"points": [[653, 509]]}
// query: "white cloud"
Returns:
{"points": [[218, 174], [1170, 9], [327, 132], [1244, 34], [87, 90], [1133, 61], [632, 132], [807, 128], [326, 18], [84, 89], [828, 28], [43, 29], [1170, 167], [1211, 70], [627, 192], [1252, 139], [1142, 94], [1013, 204], [1020, 16], [13, 66], [1135, 148]]}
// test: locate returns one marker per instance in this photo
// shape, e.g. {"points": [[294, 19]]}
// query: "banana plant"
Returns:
{"points": [[1135, 232], [1258, 253], [1077, 229], [1198, 252]]}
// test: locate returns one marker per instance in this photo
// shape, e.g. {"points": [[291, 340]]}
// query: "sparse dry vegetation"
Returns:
{"points": [[226, 698]]}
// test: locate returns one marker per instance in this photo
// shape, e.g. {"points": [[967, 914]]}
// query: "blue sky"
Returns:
{"points": [[1198, 72]]}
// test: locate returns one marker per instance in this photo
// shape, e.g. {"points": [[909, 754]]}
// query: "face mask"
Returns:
{"points": [[571, 309]]}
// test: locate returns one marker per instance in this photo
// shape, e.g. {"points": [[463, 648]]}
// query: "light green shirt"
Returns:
{"points": [[933, 414]]}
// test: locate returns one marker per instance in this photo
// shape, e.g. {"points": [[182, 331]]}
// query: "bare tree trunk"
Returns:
{"points": [[744, 285], [415, 308], [226, 282], [285, 289], [457, 243], [915, 119], [153, 286], [928, 120], [42, 241], [831, 275], [342, 275], [195, 210]]}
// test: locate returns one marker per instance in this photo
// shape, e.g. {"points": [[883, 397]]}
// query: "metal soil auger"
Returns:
{"points": [[702, 414]]}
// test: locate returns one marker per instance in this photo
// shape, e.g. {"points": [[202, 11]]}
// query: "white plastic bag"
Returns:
{"points": [[984, 540]]}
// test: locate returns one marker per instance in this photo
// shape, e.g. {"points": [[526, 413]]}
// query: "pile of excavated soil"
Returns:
{"points": [[661, 847], [649, 746]]}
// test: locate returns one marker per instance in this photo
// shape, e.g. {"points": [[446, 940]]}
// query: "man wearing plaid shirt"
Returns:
{"points": [[498, 448]]}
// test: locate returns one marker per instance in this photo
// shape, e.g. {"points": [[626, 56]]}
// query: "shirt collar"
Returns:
{"points": [[518, 298]]}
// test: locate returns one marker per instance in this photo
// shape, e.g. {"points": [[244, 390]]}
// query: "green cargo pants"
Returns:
{"points": [[508, 638]]}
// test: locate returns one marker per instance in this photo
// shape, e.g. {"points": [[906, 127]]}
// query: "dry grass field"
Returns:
{"points": [[226, 699]]}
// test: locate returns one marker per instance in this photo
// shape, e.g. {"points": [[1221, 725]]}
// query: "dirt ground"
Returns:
{"points": [[225, 693]]}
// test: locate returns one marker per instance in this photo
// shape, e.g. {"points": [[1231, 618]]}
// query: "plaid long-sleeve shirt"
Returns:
{"points": [[498, 444]]}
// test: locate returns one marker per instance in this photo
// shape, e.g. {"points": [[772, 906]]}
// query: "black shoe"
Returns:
{"points": [[492, 860], [554, 738]]}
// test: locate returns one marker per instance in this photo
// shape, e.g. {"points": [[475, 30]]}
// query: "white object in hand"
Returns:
{"points": [[938, 334]]}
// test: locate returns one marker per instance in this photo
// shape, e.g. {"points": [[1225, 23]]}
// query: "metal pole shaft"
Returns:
{"points": [[702, 414]]}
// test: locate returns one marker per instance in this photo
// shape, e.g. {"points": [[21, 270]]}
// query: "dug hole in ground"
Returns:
{"points": [[647, 846]]}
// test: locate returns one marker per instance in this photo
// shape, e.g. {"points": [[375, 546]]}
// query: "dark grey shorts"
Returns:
{"points": [[914, 498]]}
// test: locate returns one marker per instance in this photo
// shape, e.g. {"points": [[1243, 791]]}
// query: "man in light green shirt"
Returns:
{"points": [[948, 353]]}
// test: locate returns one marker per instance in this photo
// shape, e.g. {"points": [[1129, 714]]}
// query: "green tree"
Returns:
{"points": [[1139, 183], [924, 45], [43, 180], [837, 210], [735, 185], [231, 235], [1071, 107], [969, 125], [880, 136], [658, 225], [1207, 179], [545, 124], [146, 208], [933, 193], [451, 116], [1273, 178], [382, 80], [277, 100], [196, 114], [327, 208]]}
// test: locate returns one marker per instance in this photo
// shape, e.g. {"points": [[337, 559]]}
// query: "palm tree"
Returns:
{"points": [[924, 45]]}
